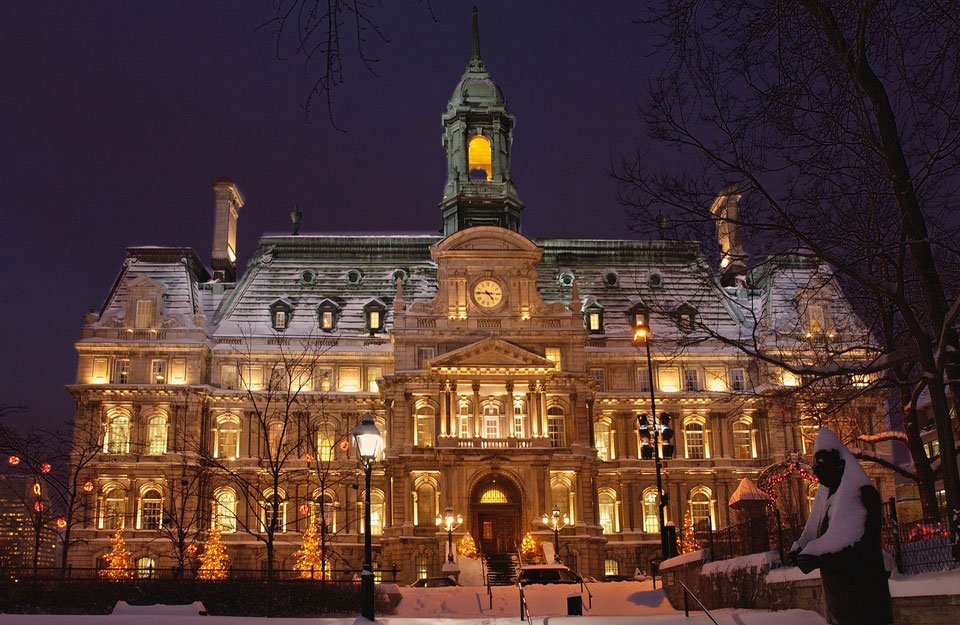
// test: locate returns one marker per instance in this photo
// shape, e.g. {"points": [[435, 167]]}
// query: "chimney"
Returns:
{"points": [[726, 211], [227, 203]]}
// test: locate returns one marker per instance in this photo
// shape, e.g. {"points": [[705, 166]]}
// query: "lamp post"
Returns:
{"points": [[556, 523], [449, 523], [647, 428], [369, 444]]}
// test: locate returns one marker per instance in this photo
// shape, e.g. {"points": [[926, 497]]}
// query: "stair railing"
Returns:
{"points": [[486, 579], [686, 603], [524, 608], [584, 587]]}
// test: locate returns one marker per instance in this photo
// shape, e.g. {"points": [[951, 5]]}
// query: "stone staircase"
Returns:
{"points": [[501, 569]]}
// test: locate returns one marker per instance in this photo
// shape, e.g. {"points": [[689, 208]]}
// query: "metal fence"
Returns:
{"points": [[771, 532], [341, 575]]}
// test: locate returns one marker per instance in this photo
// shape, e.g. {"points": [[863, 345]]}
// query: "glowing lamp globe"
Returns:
{"points": [[45, 467], [13, 460], [61, 523], [367, 439], [304, 509], [88, 487]]}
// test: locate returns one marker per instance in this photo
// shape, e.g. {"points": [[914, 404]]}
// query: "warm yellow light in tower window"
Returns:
{"points": [[479, 156]]}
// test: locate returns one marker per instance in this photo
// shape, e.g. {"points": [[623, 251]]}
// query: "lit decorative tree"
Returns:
{"points": [[309, 558], [119, 564], [466, 547], [688, 542], [530, 548], [214, 559]]}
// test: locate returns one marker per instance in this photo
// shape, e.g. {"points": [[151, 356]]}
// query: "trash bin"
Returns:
{"points": [[574, 604]]}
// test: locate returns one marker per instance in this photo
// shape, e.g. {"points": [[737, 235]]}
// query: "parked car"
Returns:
{"points": [[547, 574], [434, 582]]}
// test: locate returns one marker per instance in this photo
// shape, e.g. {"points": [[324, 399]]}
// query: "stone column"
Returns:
{"points": [[444, 406], [509, 408], [590, 432], [453, 425], [476, 409], [542, 408], [533, 417]]}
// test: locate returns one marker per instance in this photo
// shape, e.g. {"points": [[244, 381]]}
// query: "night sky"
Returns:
{"points": [[116, 117]]}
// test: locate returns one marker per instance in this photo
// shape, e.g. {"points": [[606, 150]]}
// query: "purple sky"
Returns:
{"points": [[116, 116]]}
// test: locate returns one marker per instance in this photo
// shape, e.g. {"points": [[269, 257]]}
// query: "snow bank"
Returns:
{"points": [[687, 558], [753, 561], [471, 571], [158, 609], [786, 574], [924, 584]]}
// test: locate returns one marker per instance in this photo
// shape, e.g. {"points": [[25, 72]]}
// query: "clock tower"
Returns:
{"points": [[477, 137]]}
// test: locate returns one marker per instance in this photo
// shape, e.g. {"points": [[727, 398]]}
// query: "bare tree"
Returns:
{"points": [[839, 126], [183, 518]]}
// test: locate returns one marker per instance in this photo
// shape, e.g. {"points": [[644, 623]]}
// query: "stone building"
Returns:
{"points": [[501, 369]]}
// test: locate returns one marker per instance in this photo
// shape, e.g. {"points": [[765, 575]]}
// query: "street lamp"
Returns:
{"points": [[556, 523], [369, 444], [651, 431], [449, 523]]}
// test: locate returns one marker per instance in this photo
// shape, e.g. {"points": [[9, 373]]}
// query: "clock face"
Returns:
{"points": [[487, 293]]}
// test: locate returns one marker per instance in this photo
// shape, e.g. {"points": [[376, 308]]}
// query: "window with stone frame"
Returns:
{"points": [[738, 380], [121, 371], [556, 426], [151, 510], [691, 379], [226, 437], [743, 439], [144, 315], [651, 513], [117, 437], [113, 508], [157, 435], [224, 515], [158, 371], [694, 440], [426, 425]]}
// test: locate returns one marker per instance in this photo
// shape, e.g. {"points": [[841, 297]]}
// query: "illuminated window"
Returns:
{"points": [[376, 513], [691, 379], [669, 379], [323, 511], [324, 377], [651, 515], [816, 320], [151, 510], [158, 371], [694, 440], [494, 494], [701, 508], [349, 379], [178, 371], [328, 312], [374, 374], [325, 445], [716, 379], [275, 436], [101, 366], [463, 418], [251, 377], [556, 426], [280, 320], [117, 439], [273, 503], [607, 504], [422, 565], [374, 311], [519, 418], [225, 510], [426, 420], [738, 380], [121, 371], [479, 158], [643, 379], [157, 435], [743, 439], [601, 435], [491, 420], [789, 378], [301, 379], [611, 567], [226, 438], [146, 567], [425, 503], [113, 508], [553, 355], [562, 496], [595, 321], [144, 314]]}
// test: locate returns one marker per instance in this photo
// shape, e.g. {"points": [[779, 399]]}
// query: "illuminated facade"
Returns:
{"points": [[502, 370]]}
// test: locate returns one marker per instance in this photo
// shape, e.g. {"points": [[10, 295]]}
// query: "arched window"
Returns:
{"points": [[157, 435], [146, 567], [562, 495], [603, 439], [323, 510], [421, 564], [480, 158], [113, 507], [519, 418], [651, 515], [150, 514], [744, 442], [491, 419], [701, 508], [494, 494], [694, 439], [425, 504], [225, 510], [271, 498], [325, 444], [376, 513], [607, 504], [226, 437], [556, 426], [117, 438], [464, 412], [426, 420]]}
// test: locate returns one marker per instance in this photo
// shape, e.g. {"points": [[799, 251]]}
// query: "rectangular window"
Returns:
{"points": [[597, 374], [643, 379], [738, 380], [518, 419], [101, 365], [815, 320], [251, 377], [691, 379], [158, 371], [716, 379], [150, 514], [280, 320], [491, 426], [611, 567], [349, 380], [789, 378], [300, 381], [178, 371], [593, 322], [374, 320], [144, 315], [324, 379], [374, 374], [424, 355], [228, 376], [464, 425], [553, 355], [121, 371], [669, 379], [326, 320]]}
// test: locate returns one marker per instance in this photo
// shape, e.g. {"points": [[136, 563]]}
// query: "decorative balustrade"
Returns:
{"points": [[491, 443]]}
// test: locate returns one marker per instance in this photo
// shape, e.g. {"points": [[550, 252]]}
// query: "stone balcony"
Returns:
{"points": [[447, 442]]}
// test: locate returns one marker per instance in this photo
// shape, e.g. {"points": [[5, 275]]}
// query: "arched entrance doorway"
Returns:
{"points": [[495, 515]]}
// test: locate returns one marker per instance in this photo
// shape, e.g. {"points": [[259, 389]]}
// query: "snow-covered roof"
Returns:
{"points": [[747, 491]]}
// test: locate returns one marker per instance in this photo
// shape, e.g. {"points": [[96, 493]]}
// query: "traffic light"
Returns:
{"points": [[646, 449], [666, 433]]}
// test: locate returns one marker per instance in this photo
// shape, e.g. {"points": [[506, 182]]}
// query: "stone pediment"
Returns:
{"points": [[484, 240], [491, 355]]}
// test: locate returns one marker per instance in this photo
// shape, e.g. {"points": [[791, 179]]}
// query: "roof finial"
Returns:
{"points": [[475, 38]]}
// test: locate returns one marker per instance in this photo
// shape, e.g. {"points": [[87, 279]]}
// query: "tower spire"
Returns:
{"points": [[475, 39]]}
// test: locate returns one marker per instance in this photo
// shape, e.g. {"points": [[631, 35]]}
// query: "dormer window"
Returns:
{"points": [[639, 316], [374, 311], [144, 315], [816, 321], [593, 316], [328, 312], [686, 318], [281, 312]]}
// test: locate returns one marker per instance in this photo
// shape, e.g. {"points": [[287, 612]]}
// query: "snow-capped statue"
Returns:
{"points": [[842, 537]]}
